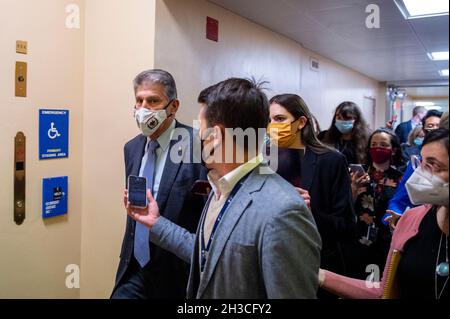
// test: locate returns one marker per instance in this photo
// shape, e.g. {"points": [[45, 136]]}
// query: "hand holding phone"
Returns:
{"points": [[357, 169], [137, 191]]}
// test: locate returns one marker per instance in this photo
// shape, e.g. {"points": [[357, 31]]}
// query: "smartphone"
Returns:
{"points": [[137, 191], [201, 187], [357, 168], [394, 119]]}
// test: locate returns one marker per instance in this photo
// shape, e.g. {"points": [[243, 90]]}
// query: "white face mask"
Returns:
{"points": [[149, 121], [425, 188]]}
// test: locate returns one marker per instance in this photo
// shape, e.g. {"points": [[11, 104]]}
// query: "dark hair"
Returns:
{"points": [[237, 103], [203, 96], [439, 135], [397, 158], [431, 113], [295, 105], [360, 134]]}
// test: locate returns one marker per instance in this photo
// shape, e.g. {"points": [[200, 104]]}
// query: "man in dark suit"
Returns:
{"points": [[145, 270], [404, 128], [256, 238]]}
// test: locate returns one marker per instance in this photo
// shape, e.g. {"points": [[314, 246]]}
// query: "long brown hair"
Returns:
{"points": [[295, 105], [360, 132]]}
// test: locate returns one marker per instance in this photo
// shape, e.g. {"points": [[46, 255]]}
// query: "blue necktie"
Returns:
{"points": [[142, 233]]}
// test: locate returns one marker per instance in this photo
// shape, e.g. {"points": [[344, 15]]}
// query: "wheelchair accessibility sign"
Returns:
{"points": [[53, 134]]}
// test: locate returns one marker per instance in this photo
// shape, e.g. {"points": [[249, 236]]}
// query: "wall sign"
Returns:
{"points": [[54, 196], [53, 134]]}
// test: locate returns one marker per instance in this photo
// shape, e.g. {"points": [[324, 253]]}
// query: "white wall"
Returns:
{"points": [[247, 49], [35, 254]]}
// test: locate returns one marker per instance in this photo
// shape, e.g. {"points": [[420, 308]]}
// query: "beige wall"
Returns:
{"points": [[247, 49], [34, 255], [119, 44], [89, 71]]}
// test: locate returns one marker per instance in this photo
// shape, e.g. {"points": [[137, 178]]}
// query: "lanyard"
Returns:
{"points": [[205, 248]]}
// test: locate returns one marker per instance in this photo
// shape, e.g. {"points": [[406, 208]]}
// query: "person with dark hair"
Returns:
{"points": [[146, 271], [348, 133], [322, 175], [417, 263], [384, 156], [431, 120], [256, 237], [403, 129], [401, 201]]}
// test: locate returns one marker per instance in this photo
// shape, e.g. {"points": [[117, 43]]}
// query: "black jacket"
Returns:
{"points": [[326, 178], [168, 273]]}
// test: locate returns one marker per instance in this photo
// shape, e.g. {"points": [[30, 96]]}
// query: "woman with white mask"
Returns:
{"points": [[417, 264]]}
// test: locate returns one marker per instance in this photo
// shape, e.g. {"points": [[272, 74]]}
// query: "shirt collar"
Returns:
{"points": [[222, 186], [165, 138]]}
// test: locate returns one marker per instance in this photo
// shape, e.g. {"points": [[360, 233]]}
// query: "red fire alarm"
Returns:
{"points": [[212, 29]]}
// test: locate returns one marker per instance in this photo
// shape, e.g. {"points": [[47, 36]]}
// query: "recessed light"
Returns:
{"points": [[438, 56], [423, 103], [412, 9], [433, 107], [443, 72]]}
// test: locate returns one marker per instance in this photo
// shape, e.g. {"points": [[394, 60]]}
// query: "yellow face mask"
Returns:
{"points": [[283, 134]]}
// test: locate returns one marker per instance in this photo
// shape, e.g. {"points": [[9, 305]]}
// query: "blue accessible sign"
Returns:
{"points": [[53, 134], [54, 196]]}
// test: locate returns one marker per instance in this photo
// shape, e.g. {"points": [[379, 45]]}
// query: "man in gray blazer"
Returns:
{"points": [[256, 237]]}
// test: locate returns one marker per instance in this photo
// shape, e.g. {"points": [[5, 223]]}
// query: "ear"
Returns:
{"points": [[302, 122], [174, 107]]}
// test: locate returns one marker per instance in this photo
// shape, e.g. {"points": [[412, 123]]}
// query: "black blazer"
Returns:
{"points": [[402, 131], [326, 178], [168, 273]]}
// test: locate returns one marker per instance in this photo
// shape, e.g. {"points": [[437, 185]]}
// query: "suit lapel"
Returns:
{"points": [[234, 212], [308, 169], [138, 153], [170, 172]]}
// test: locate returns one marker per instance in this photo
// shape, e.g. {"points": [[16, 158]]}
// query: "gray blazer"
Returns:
{"points": [[266, 246]]}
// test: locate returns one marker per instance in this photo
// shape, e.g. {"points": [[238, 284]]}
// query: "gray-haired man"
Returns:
{"points": [[145, 270]]}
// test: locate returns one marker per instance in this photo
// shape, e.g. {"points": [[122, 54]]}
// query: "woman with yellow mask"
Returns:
{"points": [[322, 172]]}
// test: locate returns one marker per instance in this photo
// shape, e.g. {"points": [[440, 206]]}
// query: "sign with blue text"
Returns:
{"points": [[53, 134], [54, 196]]}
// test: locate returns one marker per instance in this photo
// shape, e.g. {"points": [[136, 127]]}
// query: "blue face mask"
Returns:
{"points": [[344, 127], [418, 141]]}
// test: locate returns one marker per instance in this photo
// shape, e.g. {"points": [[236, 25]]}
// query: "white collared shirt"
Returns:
{"points": [[222, 187], [161, 156]]}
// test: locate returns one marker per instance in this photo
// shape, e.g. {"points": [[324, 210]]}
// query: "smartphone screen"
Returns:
{"points": [[137, 188], [357, 168]]}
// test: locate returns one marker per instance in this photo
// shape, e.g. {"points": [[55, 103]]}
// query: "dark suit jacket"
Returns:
{"points": [[168, 273], [326, 178], [402, 131]]}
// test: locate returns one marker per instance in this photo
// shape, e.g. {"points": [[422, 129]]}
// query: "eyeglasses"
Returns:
{"points": [[416, 161]]}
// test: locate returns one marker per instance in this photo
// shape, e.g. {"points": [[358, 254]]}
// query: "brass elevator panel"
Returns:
{"points": [[19, 177], [21, 79]]}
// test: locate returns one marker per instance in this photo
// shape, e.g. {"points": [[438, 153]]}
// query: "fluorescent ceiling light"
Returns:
{"points": [[438, 56], [443, 72], [412, 9], [433, 107], [423, 103]]}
